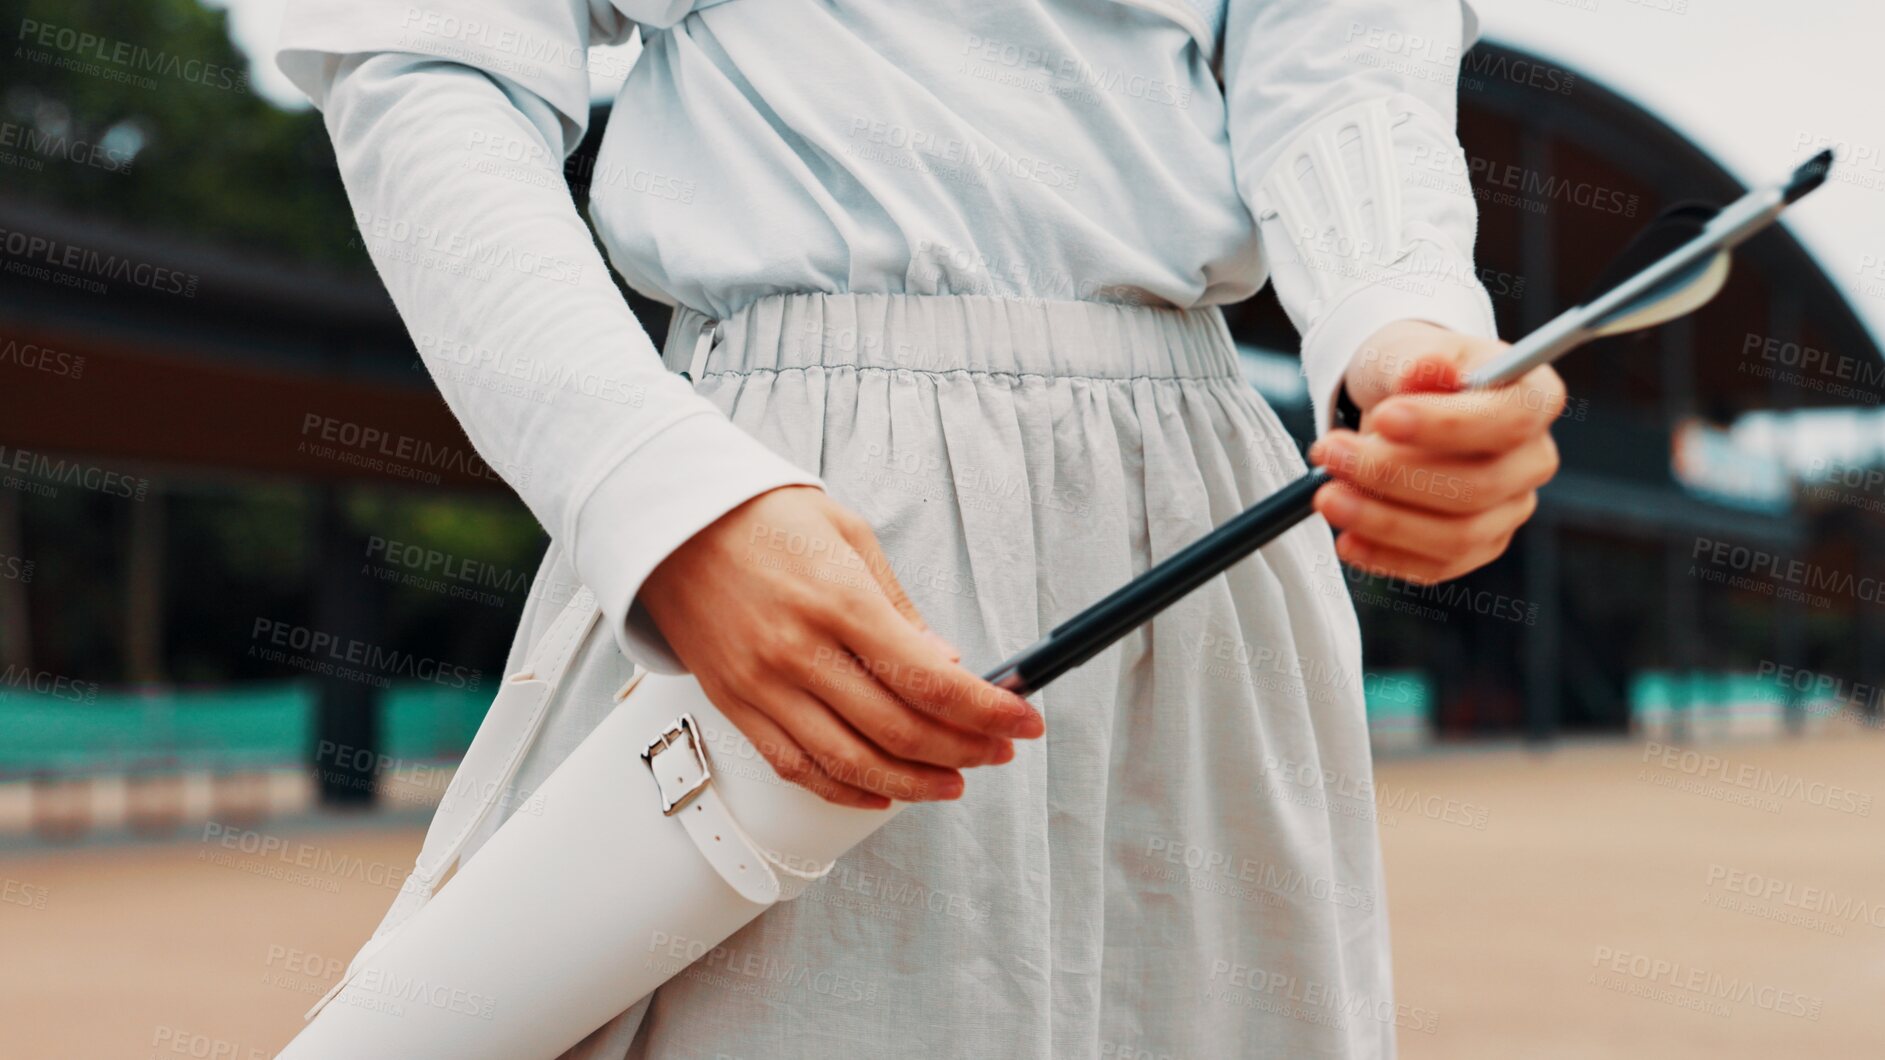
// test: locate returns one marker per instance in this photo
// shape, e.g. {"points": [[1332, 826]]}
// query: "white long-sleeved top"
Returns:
{"points": [[1093, 149]]}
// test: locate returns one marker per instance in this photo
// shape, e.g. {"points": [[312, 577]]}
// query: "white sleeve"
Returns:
{"points": [[1342, 124], [455, 178]]}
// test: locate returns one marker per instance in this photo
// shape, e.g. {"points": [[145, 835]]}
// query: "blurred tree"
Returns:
{"points": [[142, 112]]}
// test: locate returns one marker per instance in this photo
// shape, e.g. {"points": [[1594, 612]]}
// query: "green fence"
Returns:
{"points": [[241, 726], [1659, 698], [1400, 703], [271, 724]]}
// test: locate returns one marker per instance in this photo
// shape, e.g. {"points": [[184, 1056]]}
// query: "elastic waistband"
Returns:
{"points": [[955, 333]]}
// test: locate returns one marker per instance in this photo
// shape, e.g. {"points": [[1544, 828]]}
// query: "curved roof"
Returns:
{"points": [[1756, 85]]}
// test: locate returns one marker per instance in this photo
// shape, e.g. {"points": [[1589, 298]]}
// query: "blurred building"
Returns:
{"points": [[1664, 566]]}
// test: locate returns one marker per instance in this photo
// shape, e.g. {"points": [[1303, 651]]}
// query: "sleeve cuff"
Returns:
{"points": [[1449, 296], [663, 492]]}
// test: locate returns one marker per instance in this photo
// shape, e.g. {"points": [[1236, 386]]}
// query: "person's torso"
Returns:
{"points": [[1039, 149]]}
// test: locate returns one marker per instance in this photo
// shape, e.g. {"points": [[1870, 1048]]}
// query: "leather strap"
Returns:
{"points": [[682, 773], [725, 845], [490, 764], [487, 770], [703, 345]]}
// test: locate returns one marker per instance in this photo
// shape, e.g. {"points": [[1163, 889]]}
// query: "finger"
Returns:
{"points": [[846, 756], [1420, 478], [1434, 536], [1387, 561], [858, 533], [791, 761], [1472, 422], [919, 673], [1404, 474], [1410, 358], [899, 729]]}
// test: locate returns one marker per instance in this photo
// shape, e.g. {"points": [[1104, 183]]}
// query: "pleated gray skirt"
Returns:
{"points": [[1186, 865]]}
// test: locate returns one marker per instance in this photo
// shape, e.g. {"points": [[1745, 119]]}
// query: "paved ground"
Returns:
{"points": [[1612, 900], [1594, 902]]}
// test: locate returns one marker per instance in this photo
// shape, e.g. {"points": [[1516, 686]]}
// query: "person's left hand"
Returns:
{"points": [[1437, 480]]}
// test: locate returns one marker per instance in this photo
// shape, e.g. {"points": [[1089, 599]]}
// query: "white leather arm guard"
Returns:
{"points": [[1347, 252]]}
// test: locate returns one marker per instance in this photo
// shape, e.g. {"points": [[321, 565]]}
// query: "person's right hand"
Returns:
{"points": [[787, 613]]}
